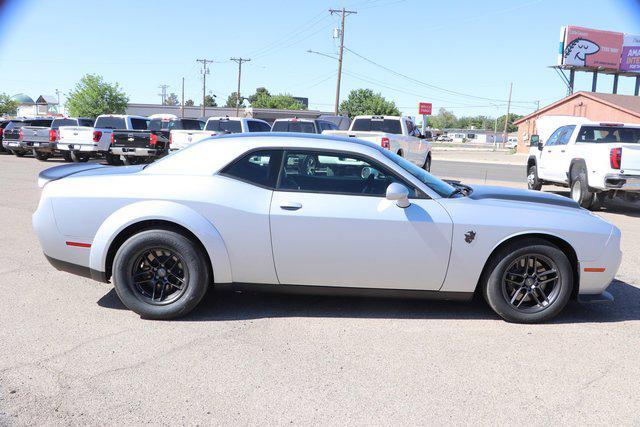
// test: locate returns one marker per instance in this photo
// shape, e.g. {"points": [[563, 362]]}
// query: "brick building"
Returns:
{"points": [[604, 107]]}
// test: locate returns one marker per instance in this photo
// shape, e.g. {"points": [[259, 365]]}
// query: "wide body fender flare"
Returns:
{"points": [[168, 211]]}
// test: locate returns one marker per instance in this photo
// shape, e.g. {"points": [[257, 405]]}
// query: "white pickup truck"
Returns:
{"points": [[216, 126], [83, 142], [595, 160], [397, 134]]}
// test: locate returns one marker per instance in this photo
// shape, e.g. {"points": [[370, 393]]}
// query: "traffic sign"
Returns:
{"points": [[424, 108]]}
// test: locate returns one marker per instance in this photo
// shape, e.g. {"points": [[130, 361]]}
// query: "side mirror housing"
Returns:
{"points": [[535, 140], [398, 193]]}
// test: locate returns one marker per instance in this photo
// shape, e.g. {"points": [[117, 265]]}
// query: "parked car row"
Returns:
{"points": [[133, 139]]}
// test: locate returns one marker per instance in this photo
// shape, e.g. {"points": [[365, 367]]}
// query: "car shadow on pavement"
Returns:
{"points": [[228, 305]]}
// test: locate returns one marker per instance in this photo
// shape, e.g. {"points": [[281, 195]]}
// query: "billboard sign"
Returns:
{"points": [[630, 60], [584, 47], [424, 108]]}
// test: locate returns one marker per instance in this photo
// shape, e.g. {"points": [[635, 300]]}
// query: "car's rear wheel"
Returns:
{"points": [[427, 163], [160, 274], [533, 182], [580, 191], [41, 156], [113, 160], [79, 157], [66, 155], [528, 281], [19, 153]]}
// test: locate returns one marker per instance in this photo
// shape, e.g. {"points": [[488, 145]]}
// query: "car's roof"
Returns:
{"points": [[306, 138], [294, 119]]}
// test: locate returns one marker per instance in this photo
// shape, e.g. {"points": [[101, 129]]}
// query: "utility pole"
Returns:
{"points": [[344, 13], [163, 94], [506, 119], [58, 95], [182, 101], [239, 61], [205, 71]]}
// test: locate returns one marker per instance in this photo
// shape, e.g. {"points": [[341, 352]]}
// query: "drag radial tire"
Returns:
{"points": [[527, 281], [533, 182], [160, 274]]}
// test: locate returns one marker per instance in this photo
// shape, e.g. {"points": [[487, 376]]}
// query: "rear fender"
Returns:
{"points": [[163, 211]]}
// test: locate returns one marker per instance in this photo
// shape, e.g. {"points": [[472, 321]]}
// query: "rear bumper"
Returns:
{"points": [[40, 146], [77, 147], [11, 145], [78, 270], [137, 152], [622, 182]]}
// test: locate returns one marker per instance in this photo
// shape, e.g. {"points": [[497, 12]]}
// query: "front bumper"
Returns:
{"points": [[77, 147], [597, 275], [622, 182], [135, 152]]}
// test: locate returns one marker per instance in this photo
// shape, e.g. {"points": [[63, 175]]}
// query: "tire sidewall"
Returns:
{"points": [[579, 176], [198, 276], [533, 169], [501, 261]]}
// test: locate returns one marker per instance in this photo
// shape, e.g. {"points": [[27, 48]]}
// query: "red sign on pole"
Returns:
{"points": [[424, 108]]}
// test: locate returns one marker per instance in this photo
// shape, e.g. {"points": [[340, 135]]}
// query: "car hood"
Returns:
{"points": [[483, 192]]}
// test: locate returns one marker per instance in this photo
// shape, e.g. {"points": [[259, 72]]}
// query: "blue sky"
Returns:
{"points": [[467, 46]]}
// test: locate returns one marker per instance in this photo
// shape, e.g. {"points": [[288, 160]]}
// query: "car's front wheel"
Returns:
{"points": [[533, 182], [528, 281], [160, 274]]}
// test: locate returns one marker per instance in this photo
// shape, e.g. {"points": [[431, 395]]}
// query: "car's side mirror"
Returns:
{"points": [[398, 193], [535, 140]]}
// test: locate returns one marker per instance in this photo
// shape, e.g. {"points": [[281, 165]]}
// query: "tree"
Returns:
{"points": [[444, 120], [7, 105], [189, 103], [231, 101], [92, 97], [172, 99], [365, 101], [210, 101], [512, 118], [283, 102], [261, 91]]}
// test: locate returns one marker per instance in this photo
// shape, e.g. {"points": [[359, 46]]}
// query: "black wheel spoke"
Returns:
{"points": [[531, 282], [159, 276]]}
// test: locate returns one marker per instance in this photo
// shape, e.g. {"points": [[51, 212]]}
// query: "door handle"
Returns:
{"points": [[290, 206], [548, 151], [562, 151]]}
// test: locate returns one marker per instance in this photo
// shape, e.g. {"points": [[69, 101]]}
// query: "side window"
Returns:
{"points": [[258, 167], [566, 136], [139, 124], [334, 173], [553, 139], [256, 126]]}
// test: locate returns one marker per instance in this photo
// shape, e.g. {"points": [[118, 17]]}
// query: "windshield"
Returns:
{"points": [[227, 126], [293, 126], [609, 134], [108, 122], [377, 125], [436, 184]]}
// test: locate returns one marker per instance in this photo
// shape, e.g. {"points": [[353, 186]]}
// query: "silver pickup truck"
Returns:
{"points": [[42, 141]]}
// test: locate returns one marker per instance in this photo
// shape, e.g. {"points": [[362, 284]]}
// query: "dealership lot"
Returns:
{"points": [[73, 354]]}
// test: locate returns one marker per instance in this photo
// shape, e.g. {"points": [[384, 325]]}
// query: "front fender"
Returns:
{"points": [[163, 211]]}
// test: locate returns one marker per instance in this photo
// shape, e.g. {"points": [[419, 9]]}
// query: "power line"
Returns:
{"points": [[453, 92]]}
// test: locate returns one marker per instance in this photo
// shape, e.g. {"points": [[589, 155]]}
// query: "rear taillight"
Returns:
{"points": [[113, 138], [615, 157], [1, 132], [170, 138], [53, 135], [153, 139], [97, 135], [384, 143]]}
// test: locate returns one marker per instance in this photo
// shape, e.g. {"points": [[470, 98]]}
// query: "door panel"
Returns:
{"points": [[359, 241]]}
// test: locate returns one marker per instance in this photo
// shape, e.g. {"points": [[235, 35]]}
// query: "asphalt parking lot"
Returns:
{"points": [[71, 353]]}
